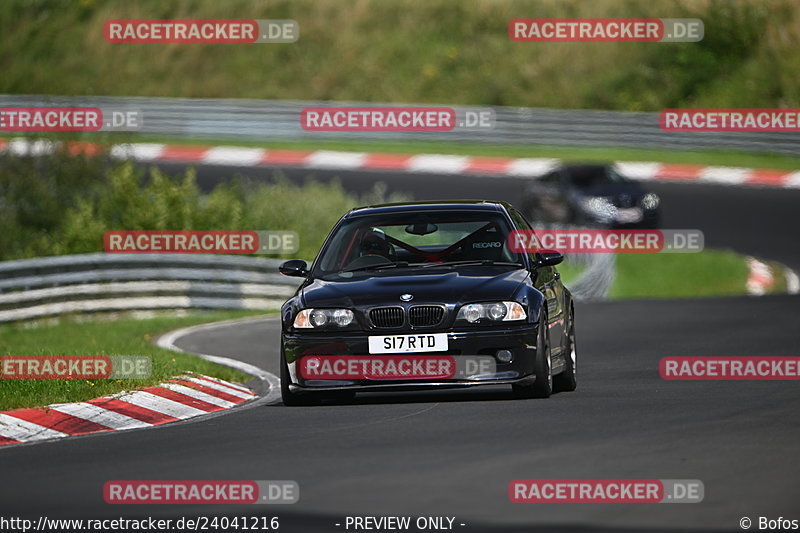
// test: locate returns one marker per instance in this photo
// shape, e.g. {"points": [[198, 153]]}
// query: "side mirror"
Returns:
{"points": [[294, 267], [549, 258]]}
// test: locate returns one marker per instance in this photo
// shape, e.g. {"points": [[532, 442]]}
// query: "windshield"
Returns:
{"points": [[584, 177], [426, 238]]}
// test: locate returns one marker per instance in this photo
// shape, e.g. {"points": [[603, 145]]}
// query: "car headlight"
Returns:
{"points": [[494, 311], [599, 207], [650, 201], [321, 318]]}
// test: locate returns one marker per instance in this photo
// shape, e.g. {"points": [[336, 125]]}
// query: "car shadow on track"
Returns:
{"points": [[493, 394]]}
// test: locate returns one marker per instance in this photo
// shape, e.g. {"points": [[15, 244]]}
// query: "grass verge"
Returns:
{"points": [[704, 274], [128, 336]]}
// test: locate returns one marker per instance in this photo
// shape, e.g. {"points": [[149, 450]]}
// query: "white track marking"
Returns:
{"points": [[528, 167], [638, 171], [227, 384], [198, 395], [22, 146], [792, 180], [792, 281], [137, 151], [725, 175], [760, 279], [222, 388], [444, 164], [328, 159], [234, 155], [24, 431], [98, 415], [159, 404]]}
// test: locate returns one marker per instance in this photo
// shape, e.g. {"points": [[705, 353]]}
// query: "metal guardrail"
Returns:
{"points": [[279, 120], [48, 286]]}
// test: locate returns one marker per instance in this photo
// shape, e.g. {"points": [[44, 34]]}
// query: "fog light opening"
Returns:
{"points": [[504, 356]]}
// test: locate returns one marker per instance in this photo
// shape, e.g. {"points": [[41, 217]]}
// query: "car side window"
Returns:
{"points": [[521, 223]]}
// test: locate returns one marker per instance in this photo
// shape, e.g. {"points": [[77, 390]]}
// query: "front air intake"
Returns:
{"points": [[425, 315], [386, 317]]}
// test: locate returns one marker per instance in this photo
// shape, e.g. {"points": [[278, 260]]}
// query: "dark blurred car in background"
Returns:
{"points": [[590, 195]]}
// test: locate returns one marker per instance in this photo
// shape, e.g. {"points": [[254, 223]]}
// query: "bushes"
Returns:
{"points": [[35, 194], [57, 204]]}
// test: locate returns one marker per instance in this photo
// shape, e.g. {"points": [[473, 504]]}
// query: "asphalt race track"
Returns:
{"points": [[453, 453]]}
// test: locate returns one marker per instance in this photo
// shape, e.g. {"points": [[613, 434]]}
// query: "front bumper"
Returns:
{"points": [[464, 343], [651, 219]]}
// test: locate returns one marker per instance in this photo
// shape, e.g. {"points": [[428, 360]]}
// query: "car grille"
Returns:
{"points": [[387, 317], [623, 200], [425, 315], [418, 316]]}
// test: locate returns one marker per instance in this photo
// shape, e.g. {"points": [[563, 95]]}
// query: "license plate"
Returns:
{"points": [[633, 214], [425, 342]]}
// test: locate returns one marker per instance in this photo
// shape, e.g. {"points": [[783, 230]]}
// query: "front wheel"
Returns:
{"points": [[543, 368], [568, 380]]}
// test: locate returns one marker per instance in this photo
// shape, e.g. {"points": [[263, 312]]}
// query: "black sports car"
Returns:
{"points": [[594, 195], [418, 295]]}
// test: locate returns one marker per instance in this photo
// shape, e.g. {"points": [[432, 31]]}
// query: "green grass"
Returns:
{"points": [[569, 273], [703, 274], [127, 336], [424, 51]]}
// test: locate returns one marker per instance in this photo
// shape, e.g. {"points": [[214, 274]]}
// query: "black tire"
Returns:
{"points": [[543, 368], [567, 381], [294, 399]]}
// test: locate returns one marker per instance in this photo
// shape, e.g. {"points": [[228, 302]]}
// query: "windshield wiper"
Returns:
{"points": [[381, 266], [473, 262]]}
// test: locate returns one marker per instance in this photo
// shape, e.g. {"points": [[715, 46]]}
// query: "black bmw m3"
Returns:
{"points": [[427, 295]]}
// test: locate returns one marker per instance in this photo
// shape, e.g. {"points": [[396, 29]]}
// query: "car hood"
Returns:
{"points": [[459, 285]]}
